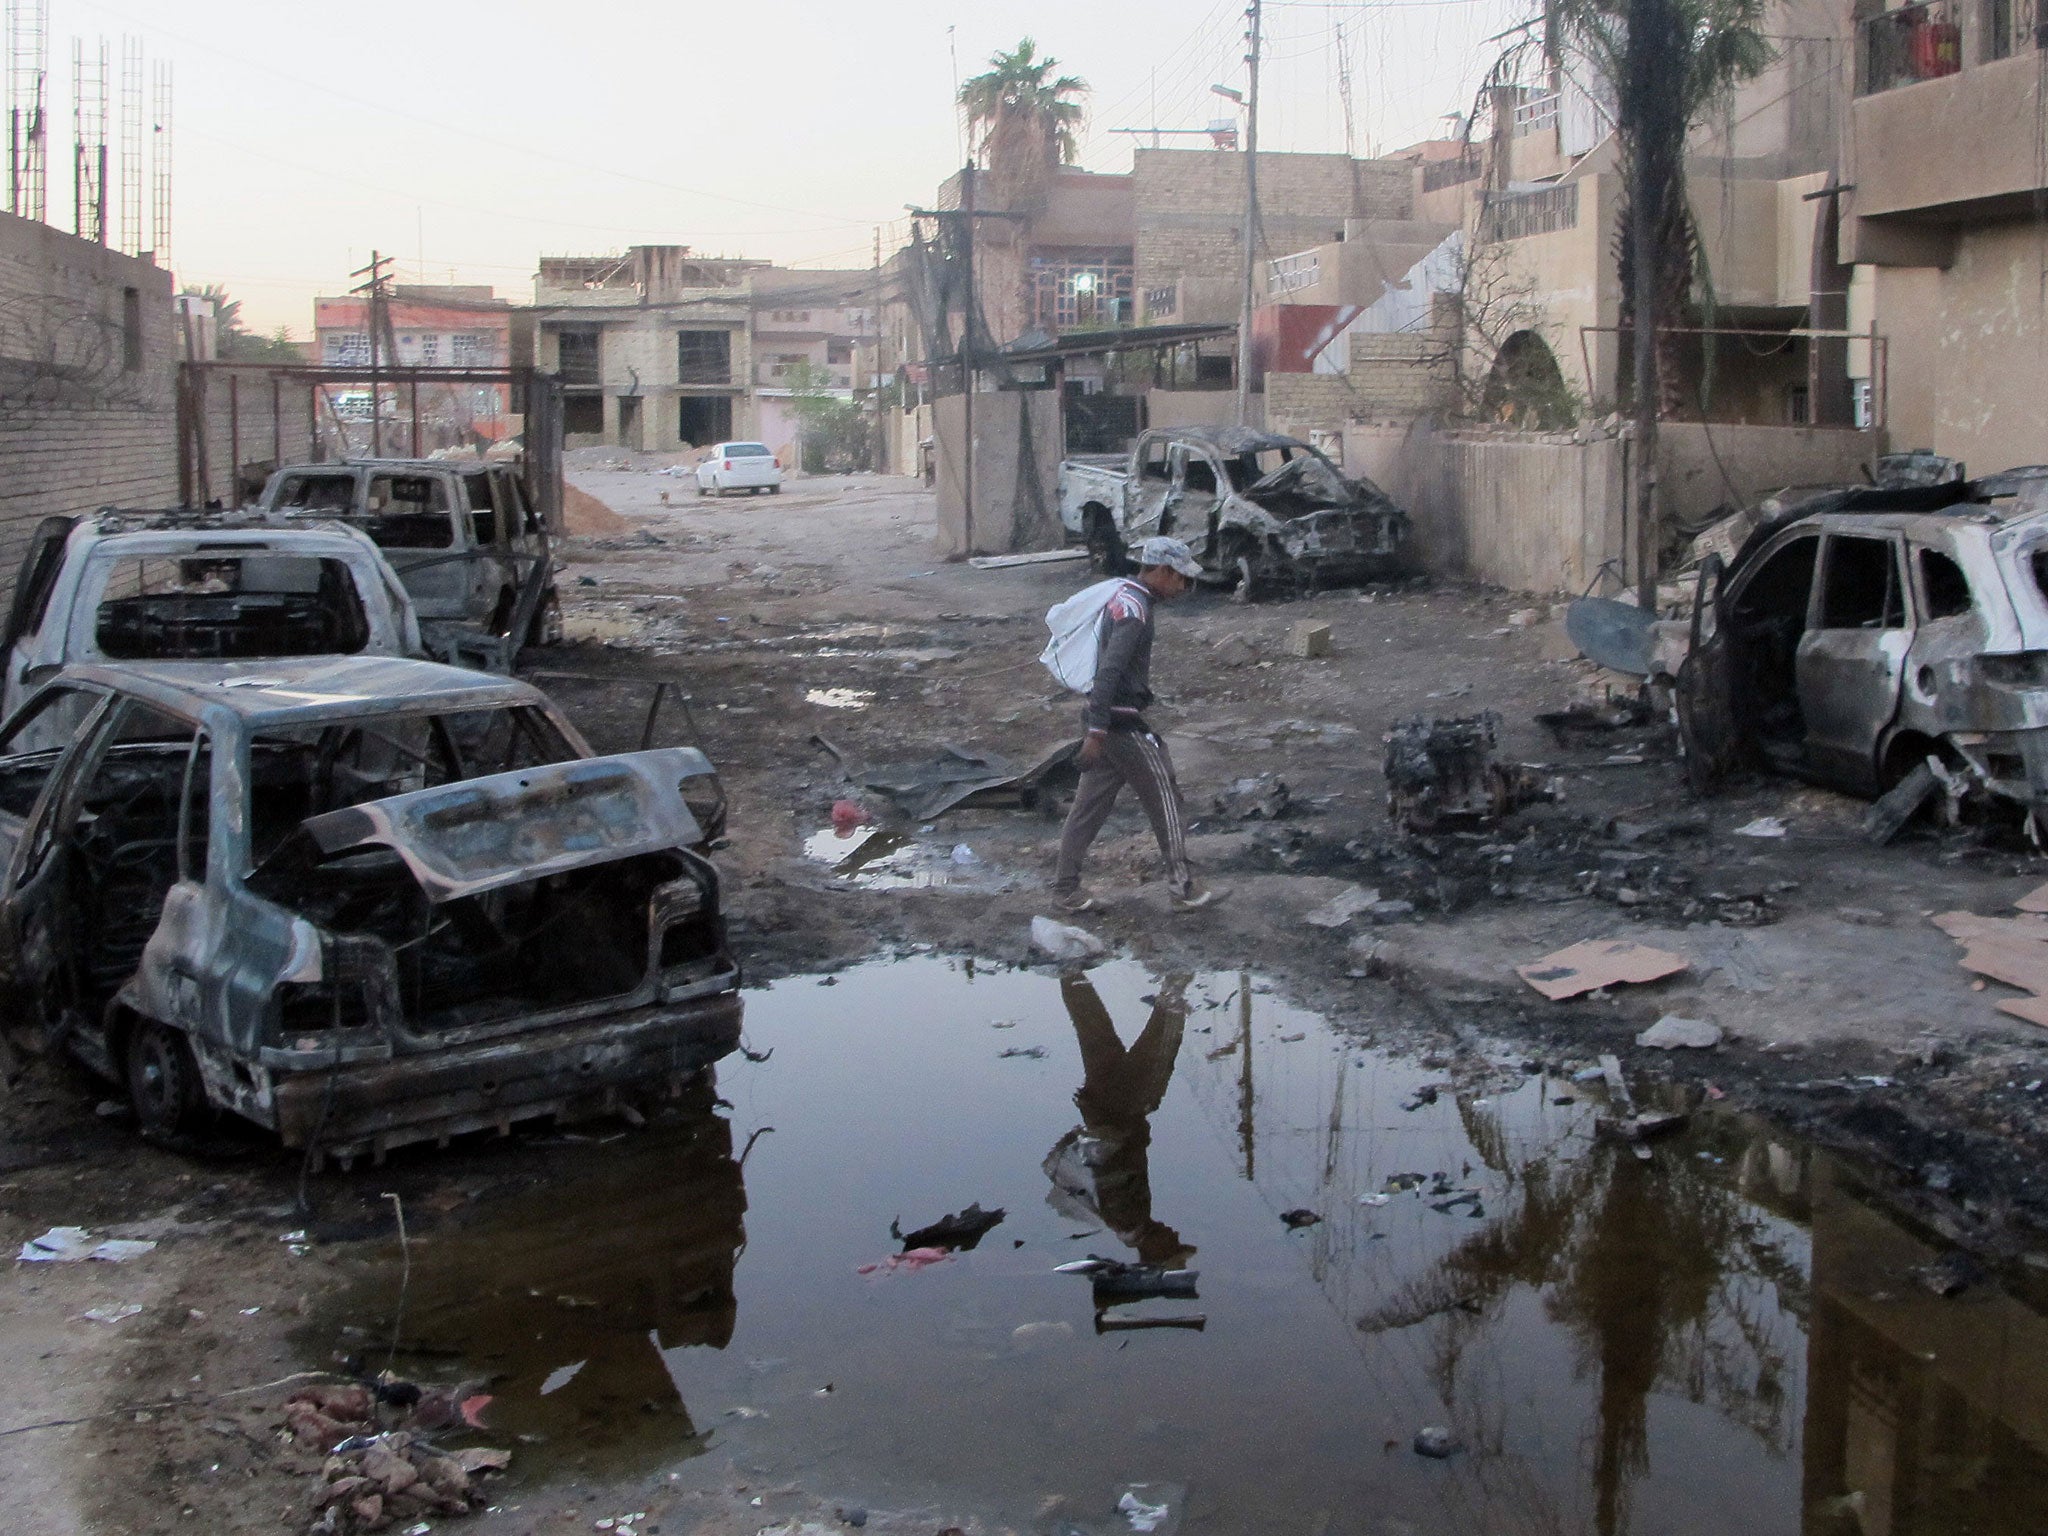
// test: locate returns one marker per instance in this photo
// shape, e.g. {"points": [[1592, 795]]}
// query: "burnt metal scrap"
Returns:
{"points": [[1447, 771], [358, 901], [958, 777]]}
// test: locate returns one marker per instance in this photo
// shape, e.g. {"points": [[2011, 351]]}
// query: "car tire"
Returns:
{"points": [[774, 490], [163, 1081], [700, 489]]}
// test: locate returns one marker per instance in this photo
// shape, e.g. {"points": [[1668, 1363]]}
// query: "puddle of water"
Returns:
{"points": [[887, 859], [840, 698], [1725, 1338]]}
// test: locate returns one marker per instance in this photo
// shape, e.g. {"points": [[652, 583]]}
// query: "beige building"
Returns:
{"points": [[1946, 215], [654, 348]]}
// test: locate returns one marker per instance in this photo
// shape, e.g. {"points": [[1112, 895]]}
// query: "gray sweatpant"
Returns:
{"points": [[1137, 758]]}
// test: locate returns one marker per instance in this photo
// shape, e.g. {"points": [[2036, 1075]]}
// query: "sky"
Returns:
{"points": [[468, 138]]}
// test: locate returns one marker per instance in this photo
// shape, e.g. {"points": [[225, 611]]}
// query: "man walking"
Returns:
{"points": [[1120, 748]]}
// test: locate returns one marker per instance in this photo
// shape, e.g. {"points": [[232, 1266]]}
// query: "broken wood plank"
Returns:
{"points": [[1599, 963], [1886, 819], [1035, 557]]}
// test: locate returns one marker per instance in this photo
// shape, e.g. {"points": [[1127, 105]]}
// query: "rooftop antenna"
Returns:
{"points": [[89, 141], [133, 234], [160, 162], [28, 129]]}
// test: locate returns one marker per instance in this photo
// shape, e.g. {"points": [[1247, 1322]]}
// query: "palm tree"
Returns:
{"points": [[1669, 61], [1022, 111]]}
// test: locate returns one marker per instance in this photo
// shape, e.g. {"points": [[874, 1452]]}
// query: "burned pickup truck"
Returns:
{"points": [[358, 901], [1262, 513]]}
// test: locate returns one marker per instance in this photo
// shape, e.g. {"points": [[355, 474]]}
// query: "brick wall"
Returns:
{"points": [[88, 358], [1297, 403], [1398, 376], [1190, 206]]}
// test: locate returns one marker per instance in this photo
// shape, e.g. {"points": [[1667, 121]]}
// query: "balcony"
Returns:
{"points": [[1518, 215], [1937, 119]]}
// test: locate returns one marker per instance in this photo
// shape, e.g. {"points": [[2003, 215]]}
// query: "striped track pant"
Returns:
{"points": [[1137, 758]]}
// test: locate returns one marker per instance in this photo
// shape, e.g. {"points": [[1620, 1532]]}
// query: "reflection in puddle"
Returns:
{"points": [[876, 858], [1725, 1338], [840, 698]]}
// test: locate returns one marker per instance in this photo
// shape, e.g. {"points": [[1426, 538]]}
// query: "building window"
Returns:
{"points": [[578, 355], [1797, 406], [430, 350], [703, 357], [472, 349], [839, 352], [1080, 289], [345, 349], [582, 415], [131, 329]]}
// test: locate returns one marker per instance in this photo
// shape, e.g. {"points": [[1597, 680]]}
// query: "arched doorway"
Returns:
{"points": [[1526, 388]]}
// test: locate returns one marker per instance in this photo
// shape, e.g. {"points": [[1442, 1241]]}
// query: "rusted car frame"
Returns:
{"points": [[1261, 511], [1849, 647], [359, 902]]}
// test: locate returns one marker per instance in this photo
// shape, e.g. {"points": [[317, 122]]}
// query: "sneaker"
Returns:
{"points": [[1200, 897], [1077, 901]]}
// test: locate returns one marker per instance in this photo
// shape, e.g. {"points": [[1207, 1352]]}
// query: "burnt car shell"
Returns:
{"points": [[1853, 640], [358, 973]]}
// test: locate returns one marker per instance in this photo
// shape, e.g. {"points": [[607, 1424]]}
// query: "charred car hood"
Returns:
{"points": [[477, 835], [1306, 477]]}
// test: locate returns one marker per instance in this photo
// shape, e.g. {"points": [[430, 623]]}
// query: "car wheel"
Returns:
{"points": [[774, 490], [700, 489], [163, 1081]]}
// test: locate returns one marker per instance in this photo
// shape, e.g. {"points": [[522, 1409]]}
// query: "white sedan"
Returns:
{"points": [[748, 467]]}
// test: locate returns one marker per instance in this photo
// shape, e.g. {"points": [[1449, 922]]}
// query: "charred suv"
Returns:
{"points": [[1261, 512], [1871, 632], [358, 901]]}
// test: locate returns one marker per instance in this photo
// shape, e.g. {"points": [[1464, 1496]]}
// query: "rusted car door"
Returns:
{"points": [[1852, 659], [1705, 692], [1198, 487]]}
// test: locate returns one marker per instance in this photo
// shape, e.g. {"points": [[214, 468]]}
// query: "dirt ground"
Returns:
{"points": [[820, 613]]}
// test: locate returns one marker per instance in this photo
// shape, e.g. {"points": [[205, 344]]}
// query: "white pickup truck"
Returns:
{"points": [[186, 586], [1261, 512]]}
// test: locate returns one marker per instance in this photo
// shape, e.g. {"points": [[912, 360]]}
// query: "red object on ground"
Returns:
{"points": [[846, 815]]}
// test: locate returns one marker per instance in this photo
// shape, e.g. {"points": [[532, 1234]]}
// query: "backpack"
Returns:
{"points": [[1076, 626]]}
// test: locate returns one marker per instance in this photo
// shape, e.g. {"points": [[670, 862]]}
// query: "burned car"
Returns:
{"points": [[1262, 513], [358, 901], [1851, 643]]}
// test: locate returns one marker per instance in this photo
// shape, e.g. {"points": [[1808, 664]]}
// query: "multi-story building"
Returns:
{"points": [[815, 329], [654, 347], [1944, 211], [429, 326]]}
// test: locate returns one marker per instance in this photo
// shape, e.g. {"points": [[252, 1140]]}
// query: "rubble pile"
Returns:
{"points": [[374, 1477]]}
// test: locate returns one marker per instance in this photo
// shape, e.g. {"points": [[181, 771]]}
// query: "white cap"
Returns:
{"points": [[1169, 552]]}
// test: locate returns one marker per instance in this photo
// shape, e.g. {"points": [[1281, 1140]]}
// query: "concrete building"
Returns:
{"points": [[654, 347], [430, 326], [1943, 215], [818, 325], [89, 348]]}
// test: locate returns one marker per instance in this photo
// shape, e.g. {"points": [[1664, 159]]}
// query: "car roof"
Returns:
{"points": [[309, 688], [1228, 439], [115, 525], [461, 466]]}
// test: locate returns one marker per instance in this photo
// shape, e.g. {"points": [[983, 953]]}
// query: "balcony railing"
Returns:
{"points": [[1536, 113], [1911, 44], [1291, 274], [1438, 174], [1517, 215]]}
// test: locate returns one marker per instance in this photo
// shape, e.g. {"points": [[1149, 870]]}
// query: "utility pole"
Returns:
{"points": [[875, 379], [1251, 218], [376, 290]]}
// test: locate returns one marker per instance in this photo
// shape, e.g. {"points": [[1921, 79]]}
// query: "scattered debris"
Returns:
{"points": [[560, 1377], [374, 1481], [1444, 771], [1763, 826], [912, 1259], [1308, 638], [1066, 943], [1437, 1442], [958, 777], [2013, 950], [1583, 718], [1028, 1052], [119, 1314], [959, 1231], [70, 1245], [847, 816], [1234, 650], [1112, 1278], [1673, 1033], [1263, 798], [1598, 963], [1034, 557], [1299, 1218], [1148, 1507], [1889, 815], [1950, 1275], [1342, 907]]}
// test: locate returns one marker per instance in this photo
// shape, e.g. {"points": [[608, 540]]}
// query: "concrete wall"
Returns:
{"points": [[1531, 514], [1194, 407], [1988, 353], [1016, 474], [93, 431], [1543, 513]]}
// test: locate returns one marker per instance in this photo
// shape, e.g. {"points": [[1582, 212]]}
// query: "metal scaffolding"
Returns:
{"points": [[28, 128]]}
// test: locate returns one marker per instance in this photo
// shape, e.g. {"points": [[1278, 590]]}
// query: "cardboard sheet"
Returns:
{"points": [[1599, 963]]}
